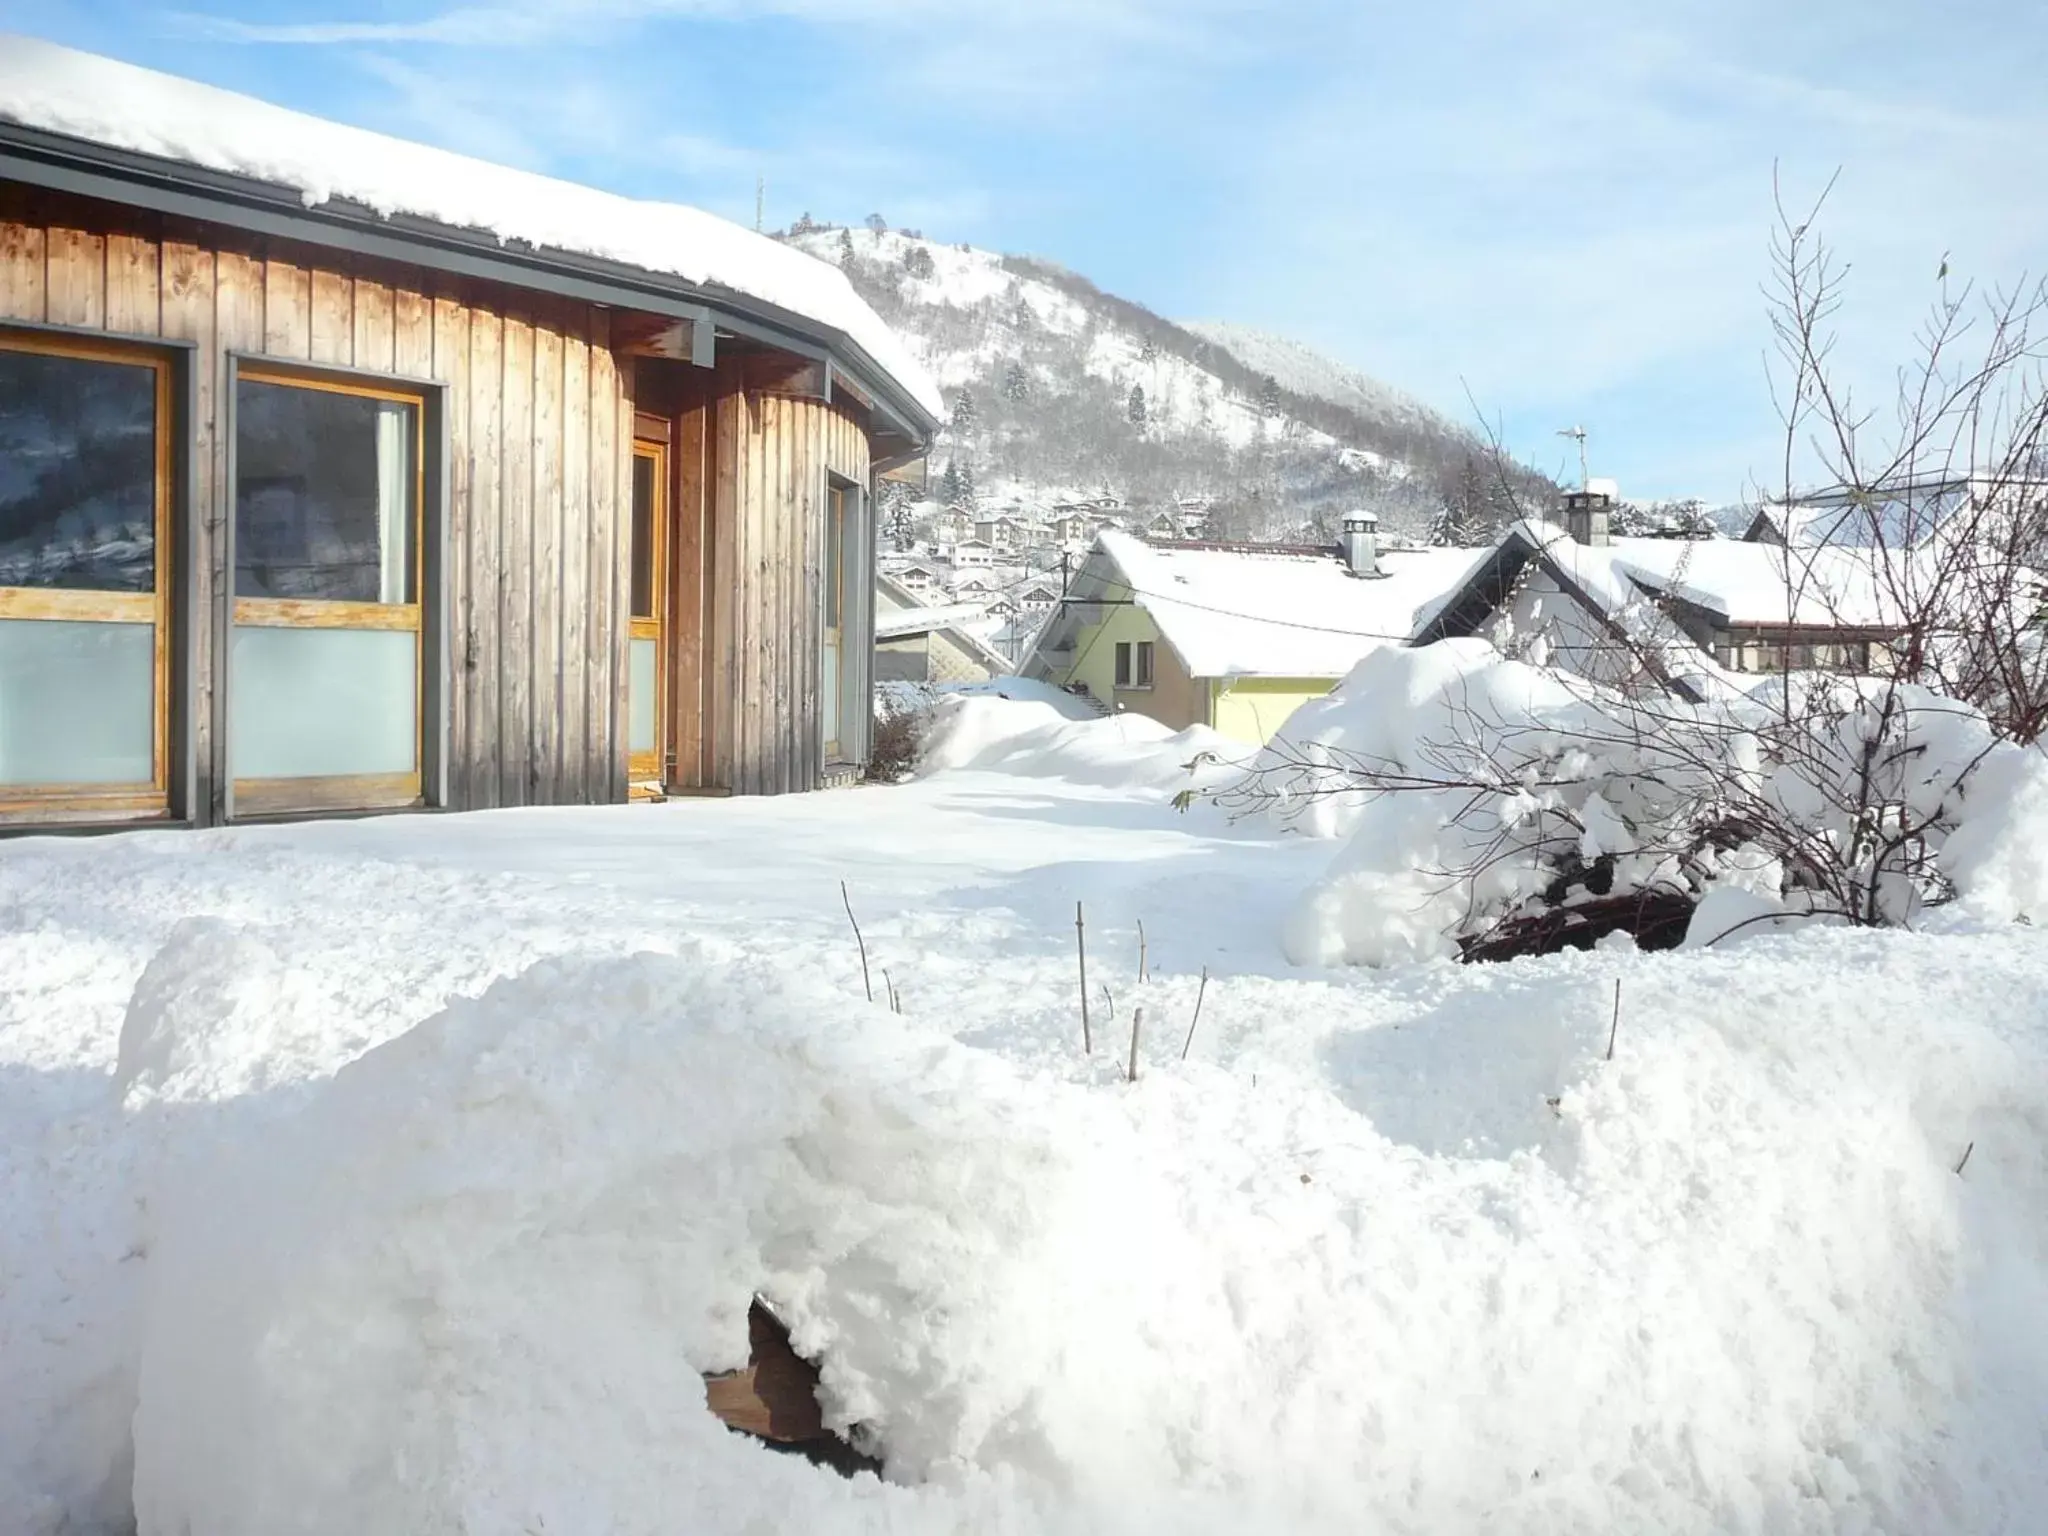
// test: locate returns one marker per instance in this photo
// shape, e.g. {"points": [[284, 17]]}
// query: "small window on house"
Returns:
{"points": [[1134, 664]]}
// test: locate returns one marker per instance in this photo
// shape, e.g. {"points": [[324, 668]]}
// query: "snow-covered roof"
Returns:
{"points": [[1245, 613], [918, 621], [1744, 583], [84, 96]]}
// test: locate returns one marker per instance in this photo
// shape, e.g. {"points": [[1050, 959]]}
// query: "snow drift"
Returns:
{"points": [[1730, 1284], [1039, 737], [1471, 789]]}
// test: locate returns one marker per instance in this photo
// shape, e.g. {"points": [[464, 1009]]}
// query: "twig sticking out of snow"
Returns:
{"points": [[1109, 1003], [863, 943], [1081, 949], [1200, 992], [1141, 949], [895, 999], [1137, 1018], [1966, 1158], [1615, 1027]]}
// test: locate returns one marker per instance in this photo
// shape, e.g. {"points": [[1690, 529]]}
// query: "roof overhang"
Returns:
{"points": [[61, 163]]}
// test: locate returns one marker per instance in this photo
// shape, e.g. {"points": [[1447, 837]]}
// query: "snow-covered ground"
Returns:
{"points": [[402, 1175]]}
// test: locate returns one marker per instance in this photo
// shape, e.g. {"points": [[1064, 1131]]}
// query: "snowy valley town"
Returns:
{"points": [[679, 857]]}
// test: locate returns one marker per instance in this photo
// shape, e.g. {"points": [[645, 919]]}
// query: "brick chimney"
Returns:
{"points": [[1586, 511]]}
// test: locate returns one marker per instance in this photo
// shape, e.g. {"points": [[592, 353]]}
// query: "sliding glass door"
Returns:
{"points": [[325, 654], [84, 578]]}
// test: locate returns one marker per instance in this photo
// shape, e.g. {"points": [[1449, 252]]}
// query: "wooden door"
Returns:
{"points": [[647, 715]]}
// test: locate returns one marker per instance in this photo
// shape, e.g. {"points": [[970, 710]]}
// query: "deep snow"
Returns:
{"points": [[403, 1174]]}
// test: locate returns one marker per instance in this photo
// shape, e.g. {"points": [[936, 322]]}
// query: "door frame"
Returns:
{"points": [[161, 607], [650, 767], [315, 794]]}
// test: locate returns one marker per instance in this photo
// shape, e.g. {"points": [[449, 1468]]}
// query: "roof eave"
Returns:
{"points": [[62, 163]]}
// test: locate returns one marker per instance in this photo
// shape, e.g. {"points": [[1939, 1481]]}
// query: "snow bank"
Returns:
{"points": [[84, 96], [1731, 1283], [425, 1198], [1046, 738], [1472, 789]]}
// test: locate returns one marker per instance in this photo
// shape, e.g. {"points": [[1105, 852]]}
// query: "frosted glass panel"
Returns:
{"points": [[829, 692], [77, 702], [640, 695], [310, 702]]}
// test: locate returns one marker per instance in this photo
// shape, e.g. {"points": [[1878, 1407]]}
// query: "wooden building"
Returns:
{"points": [[314, 501]]}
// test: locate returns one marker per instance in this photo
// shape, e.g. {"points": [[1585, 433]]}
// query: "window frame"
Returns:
{"points": [[40, 804], [321, 793], [649, 767], [1134, 666]]}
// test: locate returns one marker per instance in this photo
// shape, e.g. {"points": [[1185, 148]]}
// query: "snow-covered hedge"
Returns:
{"points": [[1473, 790]]}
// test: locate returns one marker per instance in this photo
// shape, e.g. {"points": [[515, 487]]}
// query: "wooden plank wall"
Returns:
{"points": [[540, 419], [768, 473]]}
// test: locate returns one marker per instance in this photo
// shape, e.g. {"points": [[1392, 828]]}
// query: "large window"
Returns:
{"points": [[324, 669], [84, 577]]}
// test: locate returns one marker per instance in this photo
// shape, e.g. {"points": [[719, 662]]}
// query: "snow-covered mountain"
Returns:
{"points": [[1061, 391], [1304, 371]]}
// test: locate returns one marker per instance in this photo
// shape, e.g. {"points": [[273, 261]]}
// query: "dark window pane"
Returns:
{"points": [[326, 493], [835, 555], [77, 473], [644, 465]]}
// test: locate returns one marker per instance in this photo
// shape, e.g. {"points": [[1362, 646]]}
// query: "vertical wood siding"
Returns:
{"points": [[540, 426], [770, 460]]}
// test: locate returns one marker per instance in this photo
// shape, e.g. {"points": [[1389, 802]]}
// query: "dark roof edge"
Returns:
{"points": [[61, 163]]}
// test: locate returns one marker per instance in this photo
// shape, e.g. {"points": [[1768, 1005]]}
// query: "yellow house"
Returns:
{"points": [[1231, 636]]}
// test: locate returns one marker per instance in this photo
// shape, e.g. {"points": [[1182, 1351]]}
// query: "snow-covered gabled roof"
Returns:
{"points": [[120, 107], [1242, 612], [1738, 583]]}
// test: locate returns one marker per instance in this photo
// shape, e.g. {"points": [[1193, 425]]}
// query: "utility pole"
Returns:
{"points": [[1578, 434], [760, 202]]}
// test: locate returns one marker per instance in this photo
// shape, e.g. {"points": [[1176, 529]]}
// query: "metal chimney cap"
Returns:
{"points": [[1361, 519]]}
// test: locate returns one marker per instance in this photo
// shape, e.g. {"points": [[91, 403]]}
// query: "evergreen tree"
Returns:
{"points": [[803, 224], [846, 247], [964, 411], [1136, 409], [1021, 316], [1149, 352], [949, 484], [1269, 396], [965, 489], [1016, 382]]}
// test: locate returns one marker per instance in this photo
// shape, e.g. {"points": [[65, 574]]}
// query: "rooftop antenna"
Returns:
{"points": [[1578, 435], [760, 201]]}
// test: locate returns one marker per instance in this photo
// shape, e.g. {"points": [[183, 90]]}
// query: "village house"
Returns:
{"points": [[1038, 599], [914, 578], [1622, 611], [1232, 636], [346, 474], [951, 526], [971, 552], [917, 641]]}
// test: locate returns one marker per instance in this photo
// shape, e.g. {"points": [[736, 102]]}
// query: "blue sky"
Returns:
{"points": [[1563, 209]]}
